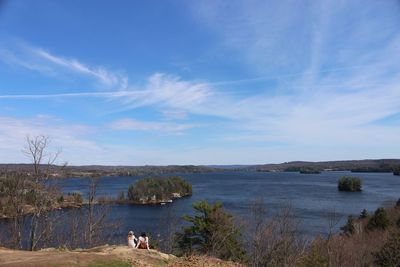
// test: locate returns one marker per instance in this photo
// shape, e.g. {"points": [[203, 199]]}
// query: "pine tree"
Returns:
{"points": [[364, 214], [212, 231], [379, 220]]}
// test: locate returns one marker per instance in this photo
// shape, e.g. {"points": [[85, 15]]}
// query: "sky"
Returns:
{"points": [[200, 82]]}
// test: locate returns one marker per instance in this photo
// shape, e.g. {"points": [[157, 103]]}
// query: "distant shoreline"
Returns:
{"points": [[368, 165]]}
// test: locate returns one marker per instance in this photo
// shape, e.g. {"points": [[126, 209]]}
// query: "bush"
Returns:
{"points": [[350, 184], [212, 231], [364, 214], [349, 227], [389, 255], [398, 222], [30, 197], [379, 220], [60, 199], [314, 258], [77, 197], [155, 190]]}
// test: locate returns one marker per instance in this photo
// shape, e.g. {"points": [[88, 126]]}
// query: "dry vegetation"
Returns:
{"points": [[370, 240], [361, 247]]}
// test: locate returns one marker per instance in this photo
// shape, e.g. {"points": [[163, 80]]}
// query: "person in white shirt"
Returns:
{"points": [[132, 240], [143, 242]]}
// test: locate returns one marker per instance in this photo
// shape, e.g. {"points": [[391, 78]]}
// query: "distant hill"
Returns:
{"points": [[368, 165], [79, 171]]}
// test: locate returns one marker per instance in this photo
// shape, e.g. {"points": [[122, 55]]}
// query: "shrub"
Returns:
{"points": [[379, 220], [60, 199], [314, 258], [77, 197], [351, 184], [30, 197], [349, 227], [389, 254], [364, 214], [398, 222], [212, 231]]}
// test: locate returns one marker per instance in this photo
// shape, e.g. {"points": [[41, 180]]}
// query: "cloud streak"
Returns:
{"points": [[113, 94], [101, 74], [37, 59], [136, 125]]}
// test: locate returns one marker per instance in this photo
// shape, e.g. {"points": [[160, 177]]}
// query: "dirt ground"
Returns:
{"points": [[103, 256]]}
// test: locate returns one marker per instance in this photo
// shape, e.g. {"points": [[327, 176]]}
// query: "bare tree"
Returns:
{"points": [[96, 214], [274, 241], [13, 184], [257, 232], [172, 223], [334, 219], [37, 149], [89, 225]]}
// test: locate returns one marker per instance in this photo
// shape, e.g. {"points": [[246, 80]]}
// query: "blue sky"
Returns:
{"points": [[201, 82]]}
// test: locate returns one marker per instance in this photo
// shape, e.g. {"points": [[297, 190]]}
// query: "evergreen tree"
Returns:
{"points": [[212, 231], [349, 227], [364, 214], [379, 220]]}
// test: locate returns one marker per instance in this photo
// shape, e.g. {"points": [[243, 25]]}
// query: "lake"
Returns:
{"points": [[312, 196]]}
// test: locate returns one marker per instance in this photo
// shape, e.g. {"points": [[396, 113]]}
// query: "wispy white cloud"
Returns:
{"points": [[301, 117], [172, 92], [171, 114], [108, 95], [38, 59], [344, 74], [136, 125], [101, 74]]}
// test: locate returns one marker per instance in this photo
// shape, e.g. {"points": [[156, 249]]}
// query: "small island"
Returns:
{"points": [[309, 171], [349, 184], [158, 190]]}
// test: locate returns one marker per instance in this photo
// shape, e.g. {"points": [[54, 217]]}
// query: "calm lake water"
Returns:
{"points": [[313, 197]]}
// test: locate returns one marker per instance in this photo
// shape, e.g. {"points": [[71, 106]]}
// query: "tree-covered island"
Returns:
{"points": [[158, 190], [349, 184]]}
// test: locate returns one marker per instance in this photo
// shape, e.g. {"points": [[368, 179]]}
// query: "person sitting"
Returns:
{"points": [[143, 242], [132, 240]]}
